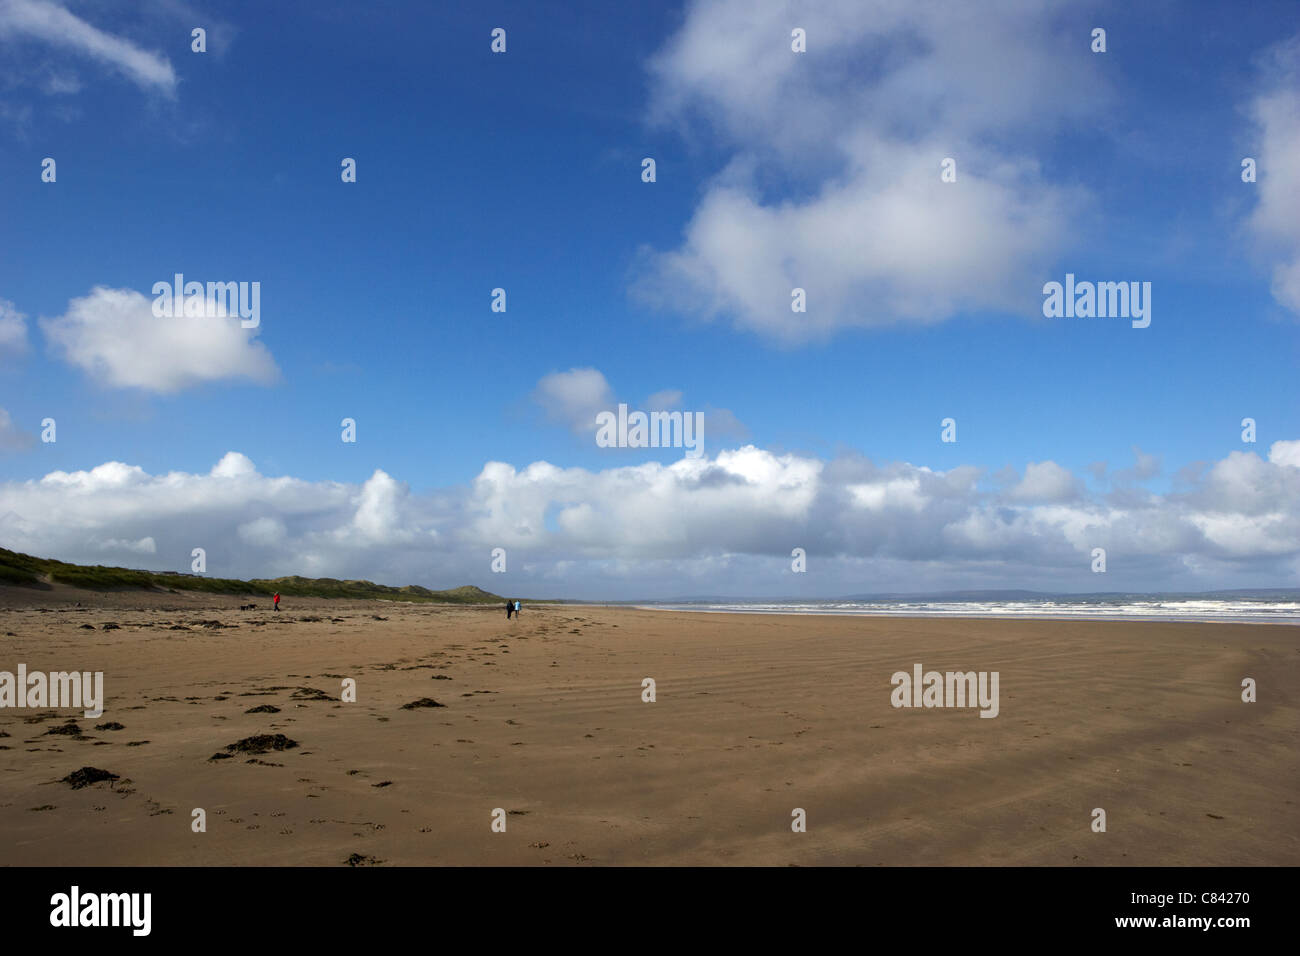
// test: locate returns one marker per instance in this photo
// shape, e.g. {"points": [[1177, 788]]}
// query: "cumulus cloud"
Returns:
{"points": [[13, 329], [574, 398], [1276, 219], [113, 336], [1285, 453], [855, 130], [724, 524], [51, 23], [1045, 481], [378, 518]]}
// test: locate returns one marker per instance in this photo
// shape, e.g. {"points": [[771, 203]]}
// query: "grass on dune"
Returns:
{"points": [[29, 571]]}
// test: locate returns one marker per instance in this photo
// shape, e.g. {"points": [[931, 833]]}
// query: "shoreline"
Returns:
{"points": [[958, 616]]}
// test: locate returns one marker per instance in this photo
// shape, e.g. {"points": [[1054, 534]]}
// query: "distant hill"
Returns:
{"points": [[28, 571]]}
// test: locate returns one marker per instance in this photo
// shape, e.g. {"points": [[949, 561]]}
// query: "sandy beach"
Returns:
{"points": [[542, 717]]}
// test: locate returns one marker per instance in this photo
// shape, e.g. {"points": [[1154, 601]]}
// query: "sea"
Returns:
{"points": [[1228, 610]]}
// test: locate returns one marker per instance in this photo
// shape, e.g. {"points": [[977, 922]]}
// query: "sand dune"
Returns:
{"points": [[542, 717]]}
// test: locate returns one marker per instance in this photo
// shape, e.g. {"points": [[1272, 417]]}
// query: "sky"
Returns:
{"points": [[796, 146]]}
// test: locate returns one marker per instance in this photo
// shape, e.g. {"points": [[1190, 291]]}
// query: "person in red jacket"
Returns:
{"points": [[276, 599]]}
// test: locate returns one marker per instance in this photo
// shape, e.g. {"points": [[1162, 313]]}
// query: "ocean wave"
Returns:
{"points": [[1275, 612]]}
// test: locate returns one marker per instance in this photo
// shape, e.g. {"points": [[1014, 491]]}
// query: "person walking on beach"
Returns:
{"points": [[516, 609], [276, 600], [509, 607]]}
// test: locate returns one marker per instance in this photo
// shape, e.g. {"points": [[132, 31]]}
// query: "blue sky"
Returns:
{"points": [[522, 170]]}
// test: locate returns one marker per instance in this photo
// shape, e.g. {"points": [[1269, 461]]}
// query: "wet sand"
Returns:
{"points": [[542, 718]]}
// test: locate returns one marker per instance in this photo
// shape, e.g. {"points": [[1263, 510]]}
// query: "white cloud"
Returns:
{"points": [[1046, 481], [724, 524], [1285, 453], [902, 494], [573, 398], [858, 127], [1276, 219], [53, 24], [378, 516], [13, 329], [234, 465], [113, 335]]}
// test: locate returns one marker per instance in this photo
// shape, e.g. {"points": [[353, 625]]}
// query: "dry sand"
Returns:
{"points": [[755, 715]]}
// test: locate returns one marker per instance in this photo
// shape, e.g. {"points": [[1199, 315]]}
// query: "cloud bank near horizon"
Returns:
{"points": [[719, 525]]}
